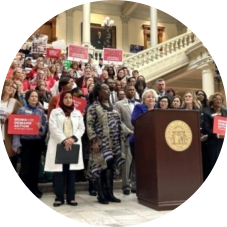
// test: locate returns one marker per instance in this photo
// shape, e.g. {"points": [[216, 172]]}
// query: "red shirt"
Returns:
{"points": [[10, 73], [50, 81], [26, 85], [32, 73]]}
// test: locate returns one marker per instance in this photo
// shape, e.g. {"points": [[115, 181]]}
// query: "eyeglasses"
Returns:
{"points": [[200, 94], [10, 86], [217, 100]]}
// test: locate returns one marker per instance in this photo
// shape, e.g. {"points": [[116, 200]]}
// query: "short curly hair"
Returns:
{"points": [[28, 94], [212, 98]]}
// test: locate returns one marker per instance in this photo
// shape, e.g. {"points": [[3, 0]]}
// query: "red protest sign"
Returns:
{"points": [[80, 104], [112, 55], [23, 124], [219, 125], [53, 53], [77, 53]]}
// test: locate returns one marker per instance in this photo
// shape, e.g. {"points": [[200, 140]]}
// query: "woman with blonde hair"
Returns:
{"points": [[149, 99], [10, 105], [24, 80], [190, 101], [17, 74], [49, 78]]}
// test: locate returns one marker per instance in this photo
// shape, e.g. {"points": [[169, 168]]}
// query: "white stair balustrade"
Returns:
{"points": [[164, 58]]}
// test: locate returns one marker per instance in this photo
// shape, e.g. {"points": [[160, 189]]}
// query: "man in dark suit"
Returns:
{"points": [[125, 108], [161, 89], [113, 94], [99, 41]]}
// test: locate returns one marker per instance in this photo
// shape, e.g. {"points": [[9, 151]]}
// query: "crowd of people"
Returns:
{"points": [[115, 97]]}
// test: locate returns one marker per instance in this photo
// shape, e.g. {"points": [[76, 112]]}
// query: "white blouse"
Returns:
{"points": [[68, 127]]}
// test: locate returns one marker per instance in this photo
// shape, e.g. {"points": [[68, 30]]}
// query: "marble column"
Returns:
{"points": [[86, 25], [125, 44], [207, 79], [69, 26], [153, 27]]}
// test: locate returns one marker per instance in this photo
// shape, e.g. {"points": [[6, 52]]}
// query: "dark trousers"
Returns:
{"points": [[110, 164], [30, 157], [132, 148], [133, 166], [213, 150], [65, 182], [205, 160], [14, 161], [105, 181]]}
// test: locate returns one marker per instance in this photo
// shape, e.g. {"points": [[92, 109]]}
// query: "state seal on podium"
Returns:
{"points": [[178, 135]]}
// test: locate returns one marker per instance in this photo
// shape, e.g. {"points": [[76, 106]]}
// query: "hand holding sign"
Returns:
{"points": [[80, 104], [219, 136], [219, 125], [38, 125], [15, 149], [24, 124]]}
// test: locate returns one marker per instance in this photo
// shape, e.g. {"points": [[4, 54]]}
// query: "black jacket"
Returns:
{"points": [[201, 118], [209, 121]]}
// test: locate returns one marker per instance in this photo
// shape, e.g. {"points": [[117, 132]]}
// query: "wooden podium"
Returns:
{"points": [[165, 177]]}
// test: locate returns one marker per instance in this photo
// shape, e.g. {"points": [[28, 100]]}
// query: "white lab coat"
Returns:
{"points": [[56, 123]]}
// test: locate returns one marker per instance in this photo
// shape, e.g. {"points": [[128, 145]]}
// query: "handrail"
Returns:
{"points": [[169, 41]]}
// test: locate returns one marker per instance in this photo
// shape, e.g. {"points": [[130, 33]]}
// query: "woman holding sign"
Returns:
{"points": [[31, 146], [215, 141], [66, 126], [8, 106]]}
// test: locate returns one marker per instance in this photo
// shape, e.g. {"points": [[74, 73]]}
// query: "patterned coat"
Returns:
{"points": [[106, 127]]}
